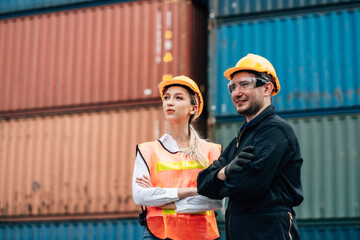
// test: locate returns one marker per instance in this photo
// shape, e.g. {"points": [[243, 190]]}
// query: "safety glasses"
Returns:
{"points": [[245, 83]]}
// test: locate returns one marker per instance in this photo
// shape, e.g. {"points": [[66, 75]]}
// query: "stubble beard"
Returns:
{"points": [[252, 110]]}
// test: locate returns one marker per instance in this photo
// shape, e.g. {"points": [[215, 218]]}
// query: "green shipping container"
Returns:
{"points": [[330, 174]]}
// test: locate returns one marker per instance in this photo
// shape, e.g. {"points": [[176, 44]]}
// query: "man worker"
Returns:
{"points": [[260, 169]]}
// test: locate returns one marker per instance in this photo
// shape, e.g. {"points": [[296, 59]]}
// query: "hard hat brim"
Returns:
{"points": [[228, 73], [174, 81]]}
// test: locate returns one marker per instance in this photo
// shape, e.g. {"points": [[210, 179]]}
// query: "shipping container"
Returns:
{"points": [[130, 229], [73, 165], [331, 232], [330, 147], [111, 229], [227, 8], [115, 54], [316, 57], [323, 232], [22, 7], [28, 5]]}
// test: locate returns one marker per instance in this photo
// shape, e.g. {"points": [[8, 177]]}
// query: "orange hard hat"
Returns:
{"points": [[255, 63], [185, 81]]}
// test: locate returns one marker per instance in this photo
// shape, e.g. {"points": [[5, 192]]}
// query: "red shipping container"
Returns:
{"points": [[73, 165], [111, 55]]}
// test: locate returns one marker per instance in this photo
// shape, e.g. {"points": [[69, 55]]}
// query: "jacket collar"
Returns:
{"points": [[269, 111]]}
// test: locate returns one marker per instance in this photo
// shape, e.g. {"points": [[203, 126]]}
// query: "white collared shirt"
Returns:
{"points": [[156, 196]]}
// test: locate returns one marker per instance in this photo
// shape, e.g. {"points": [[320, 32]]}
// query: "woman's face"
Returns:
{"points": [[177, 104]]}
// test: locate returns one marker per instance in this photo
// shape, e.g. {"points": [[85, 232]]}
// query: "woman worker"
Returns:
{"points": [[166, 170]]}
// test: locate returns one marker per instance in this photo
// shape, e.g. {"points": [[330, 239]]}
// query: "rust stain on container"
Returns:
{"points": [[73, 165], [99, 55]]}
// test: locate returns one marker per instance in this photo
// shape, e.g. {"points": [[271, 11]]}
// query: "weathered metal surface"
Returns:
{"points": [[117, 229], [8, 7], [73, 165], [331, 232], [226, 8], [105, 55], [330, 148], [130, 229], [316, 57]]}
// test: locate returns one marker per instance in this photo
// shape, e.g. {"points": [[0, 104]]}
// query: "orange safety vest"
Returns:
{"points": [[173, 170]]}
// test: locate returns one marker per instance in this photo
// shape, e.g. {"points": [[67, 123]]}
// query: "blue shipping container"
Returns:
{"points": [[316, 57], [10, 6], [25, 5], [124, 229], [233, 7], [332, 232], [323, 232], [129, 229]]}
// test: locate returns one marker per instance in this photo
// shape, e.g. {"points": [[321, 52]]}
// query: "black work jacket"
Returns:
{"points": [[269, 185]]}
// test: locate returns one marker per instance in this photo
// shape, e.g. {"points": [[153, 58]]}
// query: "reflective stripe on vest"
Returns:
{"points": [[163, 166], [173, 170], [172, 211]]}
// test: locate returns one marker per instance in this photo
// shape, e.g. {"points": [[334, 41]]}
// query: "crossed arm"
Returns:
{"points": [[183, 200], [182, 192]]}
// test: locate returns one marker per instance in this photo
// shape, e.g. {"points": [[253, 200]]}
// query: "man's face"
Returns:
{"points": [[248, 101]]}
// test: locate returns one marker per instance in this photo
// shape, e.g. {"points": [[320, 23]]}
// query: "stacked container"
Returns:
{"points": [[104, 56], [78, 91], [314, 47]]}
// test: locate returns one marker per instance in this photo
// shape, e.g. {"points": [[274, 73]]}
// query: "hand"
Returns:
{"points": [[244, 157], [144, 182], [220, 163]]}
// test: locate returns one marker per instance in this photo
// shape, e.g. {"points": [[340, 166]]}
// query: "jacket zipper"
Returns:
{"points": [[290, 225], [238, 141], [237, 145], [229, 207]]}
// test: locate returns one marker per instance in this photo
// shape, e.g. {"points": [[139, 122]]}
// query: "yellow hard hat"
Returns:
{"points": [[185, 81], [258, 64]]}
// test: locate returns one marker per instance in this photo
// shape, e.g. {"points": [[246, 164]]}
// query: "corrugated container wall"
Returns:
{"points": [[73, 165], [324, 232], [330, 146], [314, 48], [124, 229], [129, 229], [27, 5], [316, 57], [106, 55], [335, 232], [226, 8]]}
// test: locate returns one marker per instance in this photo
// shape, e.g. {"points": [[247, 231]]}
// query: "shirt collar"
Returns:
{"points": [[169, 143]]}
